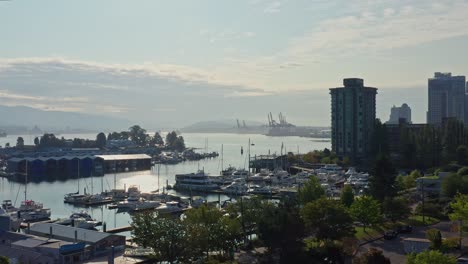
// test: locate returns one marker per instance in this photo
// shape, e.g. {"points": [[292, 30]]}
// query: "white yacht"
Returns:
{"points": [[169, 207], [98, 199], [263, 175], [75, 198], [237, 187], [79, 219], [31, 211], [261, 190], [195, 181], [145, 205], [279, 176], [240, 173], [228, 171], [331, 168]]}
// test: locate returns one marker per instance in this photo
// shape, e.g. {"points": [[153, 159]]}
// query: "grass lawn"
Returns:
{"points": [[378, 230], [417, 220], [370, 233]]}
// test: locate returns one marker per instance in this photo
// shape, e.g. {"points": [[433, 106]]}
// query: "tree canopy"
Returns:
{"points": [[327, 219], [382, 180], [347, 196], [396, 208], [430, 257], [310, 191], [372, 256], [366, 210]]}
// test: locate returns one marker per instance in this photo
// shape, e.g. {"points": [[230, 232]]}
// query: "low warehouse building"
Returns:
{"points": [[97, 243]]}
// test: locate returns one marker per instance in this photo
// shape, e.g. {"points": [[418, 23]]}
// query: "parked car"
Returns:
{"points": [[462, 260], [404, 229], [389, 235]]}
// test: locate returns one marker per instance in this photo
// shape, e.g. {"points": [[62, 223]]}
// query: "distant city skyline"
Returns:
{"points": [[175, 62]]}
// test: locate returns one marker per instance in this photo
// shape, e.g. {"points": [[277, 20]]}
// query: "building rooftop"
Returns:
{"points": [[68, 232], [124, 157]]}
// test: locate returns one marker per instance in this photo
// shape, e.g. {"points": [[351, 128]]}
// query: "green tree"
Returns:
{"points": [[210, 231], [166, 236], [379, 139], [430, 257], [366, 210], [382, 181], [310, 191], [462, 155], [20, 142], [435, 237], [101, 140], [454, 183], [157, 139], [372, 256], [347, 196], [138, 135], [415, 174], [396, 208], [463, 171], [179, 144], [4, 260], [36, 141], [459, 207], [281, 229], [327, 219], [171, 138]]}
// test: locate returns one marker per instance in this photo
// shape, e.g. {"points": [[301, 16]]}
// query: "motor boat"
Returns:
{"points": [[240, 173], [236, 187], [31, 211], [75, 198], [261, 190], [79, 219], [195, 181], [169, 207]]}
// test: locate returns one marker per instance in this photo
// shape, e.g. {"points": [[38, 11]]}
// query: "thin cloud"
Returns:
{"points": [[273, 7]]}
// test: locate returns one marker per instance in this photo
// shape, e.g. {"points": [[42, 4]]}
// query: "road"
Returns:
{"points": [[394, 250]]}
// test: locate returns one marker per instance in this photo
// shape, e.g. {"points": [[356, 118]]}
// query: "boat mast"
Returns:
{"points": [[78, 176], [26, 182], [222, 159], [248, 161]]}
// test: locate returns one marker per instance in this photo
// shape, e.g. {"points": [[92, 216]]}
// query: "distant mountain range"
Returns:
{"points": [[20, 116]]}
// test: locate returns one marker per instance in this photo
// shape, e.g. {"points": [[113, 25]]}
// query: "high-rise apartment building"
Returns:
{"points": [[353, 118], [398, 113], [446, 94]]}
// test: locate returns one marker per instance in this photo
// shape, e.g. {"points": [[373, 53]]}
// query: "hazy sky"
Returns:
{"points": [[175, 62]]}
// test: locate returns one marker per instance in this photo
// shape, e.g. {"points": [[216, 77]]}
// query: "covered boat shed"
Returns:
{"points": [[71, 166], [124, 162], [42, 168]]}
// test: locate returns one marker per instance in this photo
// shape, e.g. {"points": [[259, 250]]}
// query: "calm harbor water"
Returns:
{"points": [[51, 194]]}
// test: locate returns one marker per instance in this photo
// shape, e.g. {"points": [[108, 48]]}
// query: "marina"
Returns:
{"points": [[51, 194]]}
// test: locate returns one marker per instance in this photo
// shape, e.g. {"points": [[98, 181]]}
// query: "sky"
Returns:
{"points": [[172, 63]]}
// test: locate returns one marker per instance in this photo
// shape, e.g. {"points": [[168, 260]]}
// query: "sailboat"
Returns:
{"points": [[30, 211], [76, 197]]}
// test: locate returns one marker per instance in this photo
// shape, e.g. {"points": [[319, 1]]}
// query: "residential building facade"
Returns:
{"points": [[353, 118], [446, 98], [397, 113]]}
